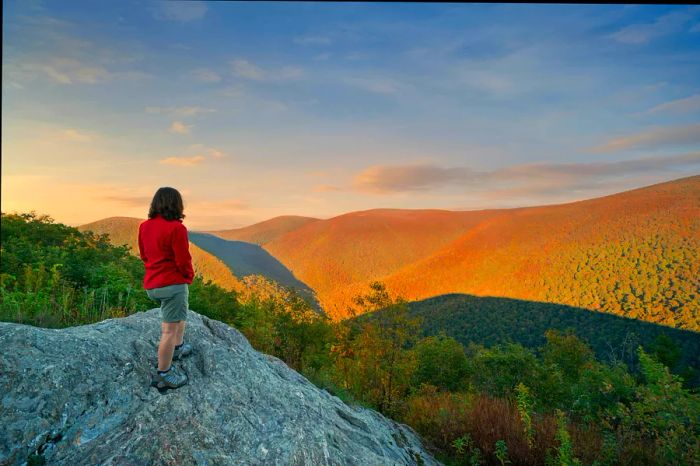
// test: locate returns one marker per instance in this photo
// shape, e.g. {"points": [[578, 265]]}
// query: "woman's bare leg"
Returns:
{"points": [[167, 344], [180, 332]]}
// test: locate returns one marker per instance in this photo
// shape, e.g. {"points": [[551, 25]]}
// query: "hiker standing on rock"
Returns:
{"points": [[164, 249]]}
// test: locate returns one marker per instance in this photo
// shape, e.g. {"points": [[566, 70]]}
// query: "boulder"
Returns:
{"points": [[82, 395]]}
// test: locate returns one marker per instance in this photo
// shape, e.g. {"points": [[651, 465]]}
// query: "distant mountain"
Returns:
{"points": [[224, 262], [245, 259], [635, 254], [125, 230], [121, 230], [264, 232], [354, 248]]}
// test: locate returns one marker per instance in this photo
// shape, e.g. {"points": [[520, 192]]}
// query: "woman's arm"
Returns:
{"points": [[141, 251], [181, 246]]}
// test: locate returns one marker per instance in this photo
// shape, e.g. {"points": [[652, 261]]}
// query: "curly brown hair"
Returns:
{"points": [[168, 203]]}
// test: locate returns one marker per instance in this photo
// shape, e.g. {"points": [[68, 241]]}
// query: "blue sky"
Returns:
{"points": [[260, 109]]}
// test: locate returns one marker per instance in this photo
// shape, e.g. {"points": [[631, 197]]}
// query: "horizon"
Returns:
{"points": [[381, 208], [338, 108]]}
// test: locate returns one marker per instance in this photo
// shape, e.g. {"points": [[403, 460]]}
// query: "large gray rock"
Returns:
{"points": [[81, 395]]}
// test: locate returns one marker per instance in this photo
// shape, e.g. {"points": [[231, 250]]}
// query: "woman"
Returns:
{"points": [[164, 249]]}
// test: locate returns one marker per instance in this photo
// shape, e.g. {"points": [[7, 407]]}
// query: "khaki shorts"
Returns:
{"points": [[173, 299]]}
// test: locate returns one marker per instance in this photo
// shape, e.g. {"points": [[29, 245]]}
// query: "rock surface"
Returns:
{"points": [[81, 396]]}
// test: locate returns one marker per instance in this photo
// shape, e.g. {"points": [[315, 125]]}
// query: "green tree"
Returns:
{"points": [[374, 363], [663, 413], [441, 362]]}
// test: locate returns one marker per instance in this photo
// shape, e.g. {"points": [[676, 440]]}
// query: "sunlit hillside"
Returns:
{"points": [[124, 230], [266, 231], [633, 254], [354, 248]]}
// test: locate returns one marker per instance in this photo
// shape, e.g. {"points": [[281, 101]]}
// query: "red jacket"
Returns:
{"points": [[164, 249]]}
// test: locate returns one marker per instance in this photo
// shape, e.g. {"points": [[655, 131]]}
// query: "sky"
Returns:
{"points": [[259, 109]]}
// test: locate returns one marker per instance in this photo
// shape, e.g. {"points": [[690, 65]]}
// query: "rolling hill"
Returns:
{"points": [[470, 319], [635, 254], [245, 259], [354, 248], [124, 231], [266, 231], [230, 264]]}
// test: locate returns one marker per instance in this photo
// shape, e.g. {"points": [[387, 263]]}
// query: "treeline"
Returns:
{"points": [[472, 405], [491, 320], [558, 404], [53, 275]]}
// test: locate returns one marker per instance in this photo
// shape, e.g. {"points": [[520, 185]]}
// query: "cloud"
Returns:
{"points": [[129, 201], [357, 56], [206, 75], [378, 85], [540, 178], [644, 33], [179, 11], [384, 179], [591, 169], [69, 200], [289, 72], [312, 40], [183, 161], [493, 82], [327, 188], [211, 151], [653, 138], [219, 214], [233, 91], [48, 50], [180, 111], [46, 21], [179, 127], [74, 135], [686, 104], [216, 153], [225, 206], [247, 70], [65, 70]]}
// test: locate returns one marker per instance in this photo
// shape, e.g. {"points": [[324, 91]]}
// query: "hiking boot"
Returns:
{"points": [[171, 379], [181, 352]]}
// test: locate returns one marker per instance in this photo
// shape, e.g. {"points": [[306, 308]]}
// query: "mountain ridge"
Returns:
{"points": [[619, 235], [263, 232], [335, 278], [124, 231], [567, 253]]}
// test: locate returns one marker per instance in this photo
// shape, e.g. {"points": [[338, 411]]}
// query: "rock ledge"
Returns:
{"points": [[81, 396]]}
